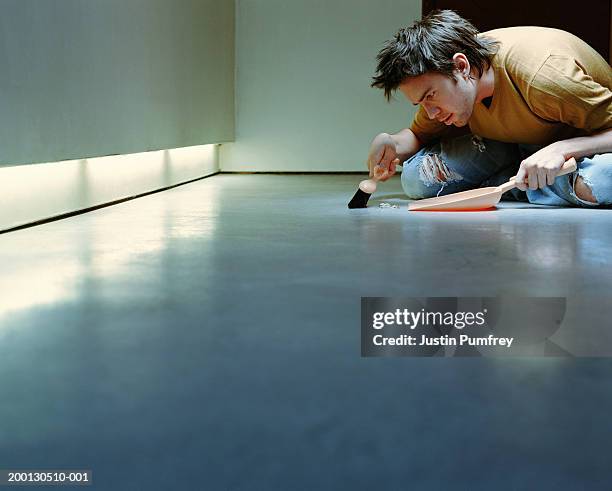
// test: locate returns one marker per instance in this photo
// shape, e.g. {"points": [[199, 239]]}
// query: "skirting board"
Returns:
{"points": [[31, 193]]}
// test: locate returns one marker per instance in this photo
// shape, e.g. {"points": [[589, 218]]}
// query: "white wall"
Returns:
{"points": [[303, 96], [84, 78]]}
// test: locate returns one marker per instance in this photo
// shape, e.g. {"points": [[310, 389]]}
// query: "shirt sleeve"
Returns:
{"points": [[429, 130], [561, 91]]}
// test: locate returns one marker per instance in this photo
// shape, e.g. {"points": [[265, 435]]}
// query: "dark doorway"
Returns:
{"points": [[589, 19]]}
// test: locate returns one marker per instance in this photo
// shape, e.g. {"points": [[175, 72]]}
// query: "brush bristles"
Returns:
{"points": [[360, 200]]}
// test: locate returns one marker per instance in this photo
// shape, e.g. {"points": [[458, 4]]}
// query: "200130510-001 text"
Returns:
{"points": [[15, 477]]}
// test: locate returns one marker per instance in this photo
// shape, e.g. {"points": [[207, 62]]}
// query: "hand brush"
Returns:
{"points": [[365, 190], [368, 187]]}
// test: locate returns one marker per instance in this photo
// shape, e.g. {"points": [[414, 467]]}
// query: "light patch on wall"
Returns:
{"points": [[35, 192]]}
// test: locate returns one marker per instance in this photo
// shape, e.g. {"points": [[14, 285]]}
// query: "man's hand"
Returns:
{"points": [[540, 169], [382, 157]]}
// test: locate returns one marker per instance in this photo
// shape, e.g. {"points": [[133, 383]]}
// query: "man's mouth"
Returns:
{"points": [[447, 119]]}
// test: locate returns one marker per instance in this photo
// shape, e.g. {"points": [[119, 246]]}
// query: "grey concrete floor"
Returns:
{"points": [[207, 337]]}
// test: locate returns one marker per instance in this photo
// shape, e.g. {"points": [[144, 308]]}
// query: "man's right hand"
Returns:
{"points": [[382, 157]]}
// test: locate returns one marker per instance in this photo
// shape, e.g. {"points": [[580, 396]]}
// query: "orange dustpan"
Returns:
{"points": [[475, 199]]}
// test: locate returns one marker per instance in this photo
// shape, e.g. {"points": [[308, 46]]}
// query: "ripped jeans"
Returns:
{"points": [[469, 162]]}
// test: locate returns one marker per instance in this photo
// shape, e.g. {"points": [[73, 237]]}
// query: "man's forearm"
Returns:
{"points": [[407, 144], [585, 146]]}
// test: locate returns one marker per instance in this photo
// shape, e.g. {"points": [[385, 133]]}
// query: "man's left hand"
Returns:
{"points": [[540, 169]]}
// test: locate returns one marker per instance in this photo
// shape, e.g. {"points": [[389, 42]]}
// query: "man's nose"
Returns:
{"points": [[432, 112]]}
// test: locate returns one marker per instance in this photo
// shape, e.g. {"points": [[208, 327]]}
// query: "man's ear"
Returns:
{"points": [[462, 64]]}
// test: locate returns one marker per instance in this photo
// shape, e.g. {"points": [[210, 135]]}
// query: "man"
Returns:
{"points": [[519, 100]]}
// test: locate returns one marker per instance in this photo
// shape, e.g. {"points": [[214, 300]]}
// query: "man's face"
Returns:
{"points": [[448, 101]]}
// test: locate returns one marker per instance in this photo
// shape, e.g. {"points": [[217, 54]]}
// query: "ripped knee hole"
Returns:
{"points": [[583, 191], [433, 170]]}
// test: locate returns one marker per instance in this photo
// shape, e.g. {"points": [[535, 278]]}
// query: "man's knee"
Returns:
{"points": [[411, 185], [433, 171], [424, 176], [583, 191]]}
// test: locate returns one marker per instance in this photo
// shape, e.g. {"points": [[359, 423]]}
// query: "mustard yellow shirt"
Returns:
{"points": [[549, 86]]}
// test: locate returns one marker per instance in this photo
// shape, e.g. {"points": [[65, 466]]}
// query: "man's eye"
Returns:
{"points": [[430, 96]]}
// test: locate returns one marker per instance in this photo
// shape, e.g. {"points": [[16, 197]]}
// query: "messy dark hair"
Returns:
{"points": [[428, 45]]}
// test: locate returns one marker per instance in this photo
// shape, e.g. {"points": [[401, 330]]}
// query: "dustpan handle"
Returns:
{"points": [[569, 166]]}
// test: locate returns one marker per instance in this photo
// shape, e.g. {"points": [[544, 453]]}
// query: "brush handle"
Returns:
{"points": [[569, 166], [369, 185]]}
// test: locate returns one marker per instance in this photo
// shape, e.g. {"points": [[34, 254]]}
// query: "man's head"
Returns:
{"points": [[435, 63]]}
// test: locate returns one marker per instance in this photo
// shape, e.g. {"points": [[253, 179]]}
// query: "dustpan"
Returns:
{"points": [[475, 199]]}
